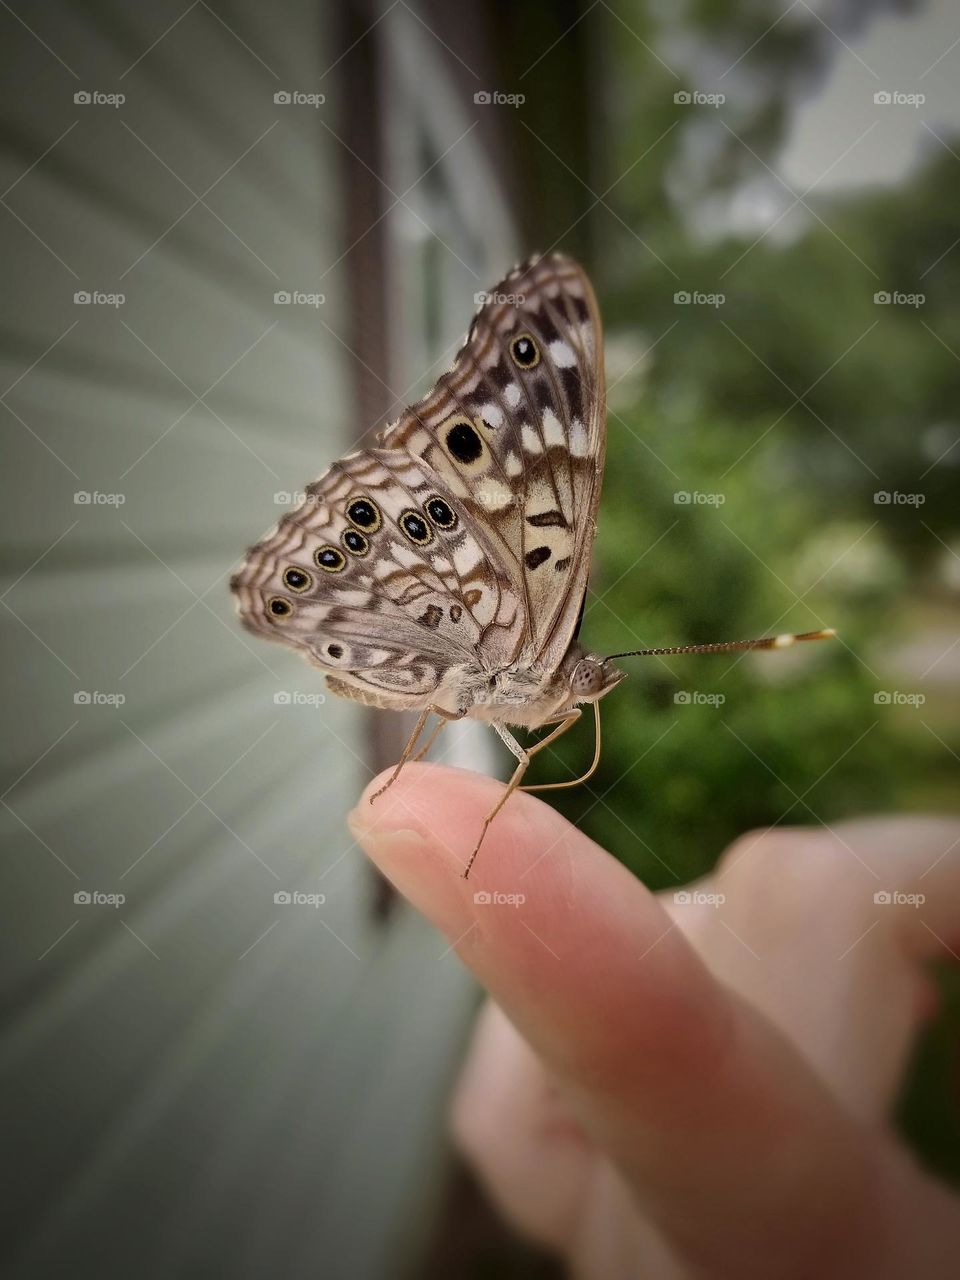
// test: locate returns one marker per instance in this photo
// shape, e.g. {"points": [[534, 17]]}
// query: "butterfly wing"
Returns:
{"points": [[462, 543], [517, 431], [379, 578]]}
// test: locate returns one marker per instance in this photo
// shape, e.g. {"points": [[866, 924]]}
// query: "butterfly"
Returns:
{"points": [[445, 569]]}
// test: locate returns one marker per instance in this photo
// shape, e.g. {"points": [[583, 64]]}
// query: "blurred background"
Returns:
{"points": [[236, 240]]}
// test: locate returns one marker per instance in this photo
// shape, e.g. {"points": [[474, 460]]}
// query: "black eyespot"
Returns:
{"points": [[441, 513], [525, 352], [280, 608], [330, 559], [464, 443], [297, 580], [335, 650], [355, 542], [365, 514], [416, 528]]}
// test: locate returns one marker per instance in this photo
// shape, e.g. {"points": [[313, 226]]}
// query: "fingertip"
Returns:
{"points": [[423, 830]]}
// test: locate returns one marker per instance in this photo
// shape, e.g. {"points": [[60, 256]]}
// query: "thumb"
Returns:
{"points": [[732, 1146]]}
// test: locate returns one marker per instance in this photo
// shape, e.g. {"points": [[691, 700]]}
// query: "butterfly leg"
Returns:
{"points": [[412, 742], [574, 782], [523, 756], [432, 736]]}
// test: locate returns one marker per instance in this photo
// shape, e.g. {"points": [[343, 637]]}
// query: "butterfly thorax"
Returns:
{"points": [[528, 696]]}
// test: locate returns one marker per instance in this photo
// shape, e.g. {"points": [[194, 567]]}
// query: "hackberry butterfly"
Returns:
{"points": [[445, 570]]}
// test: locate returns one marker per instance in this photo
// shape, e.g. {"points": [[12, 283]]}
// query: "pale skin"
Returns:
{"points": [[688, 1090]]}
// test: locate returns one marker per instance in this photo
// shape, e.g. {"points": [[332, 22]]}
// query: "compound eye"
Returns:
{"points": [[588, 677]]}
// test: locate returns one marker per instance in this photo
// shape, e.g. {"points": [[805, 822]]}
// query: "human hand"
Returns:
{"points": [[673, 1089]]}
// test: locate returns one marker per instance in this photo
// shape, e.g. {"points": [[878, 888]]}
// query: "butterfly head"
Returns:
{"points": [[590, 677]]}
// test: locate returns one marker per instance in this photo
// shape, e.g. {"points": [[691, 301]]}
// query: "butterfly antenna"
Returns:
{"points": [[728, 646]]}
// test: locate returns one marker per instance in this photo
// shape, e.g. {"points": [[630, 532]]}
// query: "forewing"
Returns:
{"points": [[516, 432]]}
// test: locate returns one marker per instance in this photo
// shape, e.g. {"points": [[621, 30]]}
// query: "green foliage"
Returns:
{"points": [[797, 400], [797, 736]]}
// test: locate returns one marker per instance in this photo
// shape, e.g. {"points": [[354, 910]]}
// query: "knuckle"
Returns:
{"points": [[790, 861]]}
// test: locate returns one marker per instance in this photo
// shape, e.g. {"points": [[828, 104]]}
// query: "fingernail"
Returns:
{"points": [[421, 870]]}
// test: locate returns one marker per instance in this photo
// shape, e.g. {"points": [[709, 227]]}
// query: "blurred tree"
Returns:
{"points": [[795, 401]]}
